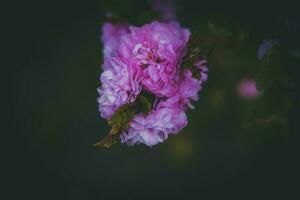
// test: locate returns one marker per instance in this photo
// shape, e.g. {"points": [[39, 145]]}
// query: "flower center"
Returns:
{"points": [[146, 56]]}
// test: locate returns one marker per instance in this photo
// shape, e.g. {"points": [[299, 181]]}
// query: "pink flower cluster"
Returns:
{"points": [[148, 58], [246, 89]]}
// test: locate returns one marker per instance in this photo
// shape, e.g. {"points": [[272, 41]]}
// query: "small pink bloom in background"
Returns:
{"points": [[247, 89]]}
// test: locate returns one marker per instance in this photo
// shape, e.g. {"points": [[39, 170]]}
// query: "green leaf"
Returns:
{"points": [[111, 138], [143, 105], [194, 53], [120, 121], [122, 116]]}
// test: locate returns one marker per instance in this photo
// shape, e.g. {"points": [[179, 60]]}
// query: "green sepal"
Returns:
{"points": [[193, 54], [111, 138], [120, 121]]}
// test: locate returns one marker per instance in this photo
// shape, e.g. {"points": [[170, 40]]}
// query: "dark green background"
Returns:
{"points": [[54, 117]]}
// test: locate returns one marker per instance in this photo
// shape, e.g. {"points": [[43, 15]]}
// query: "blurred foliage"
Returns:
{"points": [[120, 120], [271, 69], [233, 54], [220, 31], [268, 118], [270, 114]]}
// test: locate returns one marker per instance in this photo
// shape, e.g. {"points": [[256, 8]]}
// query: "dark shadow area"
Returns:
{"points": [[54, 119]]}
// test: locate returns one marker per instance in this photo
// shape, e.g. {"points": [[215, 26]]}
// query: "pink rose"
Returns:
{"points": [[156, 50], [118, 86], [155, 127]]}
